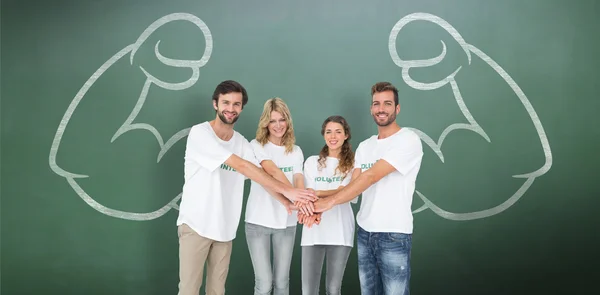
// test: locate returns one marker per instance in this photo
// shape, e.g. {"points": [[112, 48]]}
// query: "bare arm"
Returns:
{"points": [[289, 205], [261, 177], [299, 181], [270, 168], [279, 197], [328, 193], [305, 207], [363, 181], [274, 171]]}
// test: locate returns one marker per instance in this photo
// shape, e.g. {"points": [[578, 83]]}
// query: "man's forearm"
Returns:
{"points": [[261, 177], [280, 177], [251, 171], [270, 168], [353, 189], [299, 181], [279, 197], [328, 193]]}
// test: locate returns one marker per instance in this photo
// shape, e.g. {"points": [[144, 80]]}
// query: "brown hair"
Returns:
{"points": [[346, 156], [230, 86], [385, 86]]}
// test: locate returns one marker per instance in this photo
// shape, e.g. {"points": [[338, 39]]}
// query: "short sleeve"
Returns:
{"points": [[204, 149], [309, 180], [357, 156], [405, 153], [298, 161], [249, 154], [259, 151], [347, 179]]}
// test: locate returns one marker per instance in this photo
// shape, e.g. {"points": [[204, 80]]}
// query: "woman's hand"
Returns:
{"points": [[312, 220], [307, 208]]}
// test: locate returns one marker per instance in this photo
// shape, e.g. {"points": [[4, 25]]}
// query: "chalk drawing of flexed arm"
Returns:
{"points": [[471, 123], [130, 124]]}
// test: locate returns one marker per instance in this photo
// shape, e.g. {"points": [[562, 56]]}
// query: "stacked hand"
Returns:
{"points": [[309, 220], [308, 205], [302, 200], [307, 213], [322, 205]]}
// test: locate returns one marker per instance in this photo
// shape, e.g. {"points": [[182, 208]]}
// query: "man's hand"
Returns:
{"points": [[289, 207], [302, 195], [323, 205]]}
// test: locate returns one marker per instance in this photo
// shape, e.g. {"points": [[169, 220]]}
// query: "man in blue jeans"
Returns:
{"points": [[386, 168]]}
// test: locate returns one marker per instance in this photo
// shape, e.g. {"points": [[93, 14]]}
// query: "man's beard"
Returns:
{"points": [[224, 119], [390, 120]]}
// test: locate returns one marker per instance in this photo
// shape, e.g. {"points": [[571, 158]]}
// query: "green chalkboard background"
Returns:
{"points": [[97, 97]]}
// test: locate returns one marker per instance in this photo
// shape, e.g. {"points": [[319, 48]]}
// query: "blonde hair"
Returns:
{"points": [[262, 133]]}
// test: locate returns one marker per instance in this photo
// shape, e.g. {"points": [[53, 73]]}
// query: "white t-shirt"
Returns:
{"points": [[337, 224], [262, 208], [212, 196], [386, 205]]}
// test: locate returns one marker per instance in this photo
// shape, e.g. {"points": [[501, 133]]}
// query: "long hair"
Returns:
{"points": [[346, 156], [262, 133]]}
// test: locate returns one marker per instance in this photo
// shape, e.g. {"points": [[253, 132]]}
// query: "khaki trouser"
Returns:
{"points": [[193, 252]]}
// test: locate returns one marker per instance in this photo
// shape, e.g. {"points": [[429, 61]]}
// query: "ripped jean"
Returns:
{"points": [[383, 262], [269, 280]]}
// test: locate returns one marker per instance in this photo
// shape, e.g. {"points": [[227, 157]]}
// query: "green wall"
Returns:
{"points": [[97, 97]]}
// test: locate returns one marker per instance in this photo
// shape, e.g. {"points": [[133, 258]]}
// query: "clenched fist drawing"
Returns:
{"points": [[130, 123], [469, 122]]}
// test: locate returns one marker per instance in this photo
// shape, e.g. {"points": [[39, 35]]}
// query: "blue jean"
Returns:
{"points": [[277, 278], [383, 262]]}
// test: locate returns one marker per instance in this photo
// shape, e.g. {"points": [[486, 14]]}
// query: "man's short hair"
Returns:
{"points": [[230, 86], [385, 86]]}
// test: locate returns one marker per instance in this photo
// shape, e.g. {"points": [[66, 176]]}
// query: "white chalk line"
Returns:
{"points": [[472, 124], [129, 124]]}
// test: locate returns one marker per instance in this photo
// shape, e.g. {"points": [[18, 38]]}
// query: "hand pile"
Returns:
{"points": [[306, 212]]}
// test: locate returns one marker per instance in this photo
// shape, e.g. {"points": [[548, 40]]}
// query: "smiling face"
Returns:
{"points": [[334, 136], [277, 125], [383, 108], [228, 107]]}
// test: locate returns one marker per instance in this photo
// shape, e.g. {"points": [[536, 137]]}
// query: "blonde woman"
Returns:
{"points": [[269, 219]]}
